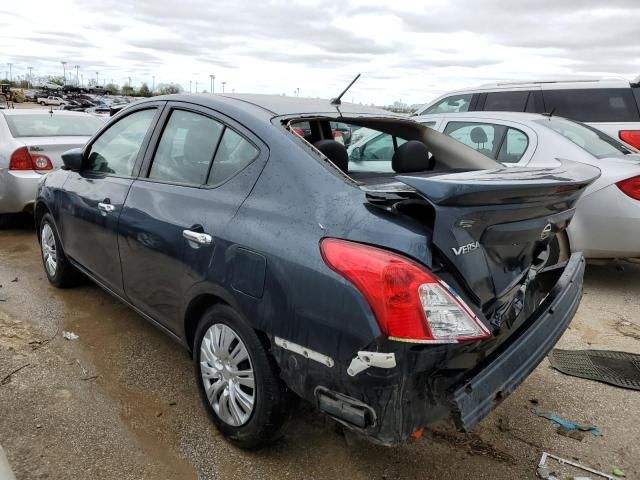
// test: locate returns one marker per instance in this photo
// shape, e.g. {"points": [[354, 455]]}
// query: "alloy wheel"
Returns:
{"points": [[227, 374], [49, 250]]}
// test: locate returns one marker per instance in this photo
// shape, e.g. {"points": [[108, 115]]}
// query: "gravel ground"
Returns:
{"points": [[121, 403]]}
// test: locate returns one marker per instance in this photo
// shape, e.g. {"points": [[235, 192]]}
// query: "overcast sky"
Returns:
{"points": [[410, 50]]}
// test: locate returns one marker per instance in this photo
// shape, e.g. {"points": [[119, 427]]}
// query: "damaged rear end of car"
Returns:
{"points": [[462, 326]]}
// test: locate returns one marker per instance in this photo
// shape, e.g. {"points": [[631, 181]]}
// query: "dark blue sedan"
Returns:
{"points": [[390, 291]]}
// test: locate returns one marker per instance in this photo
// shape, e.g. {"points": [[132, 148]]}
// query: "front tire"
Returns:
{"points": [[59, 270], [238, 380]]}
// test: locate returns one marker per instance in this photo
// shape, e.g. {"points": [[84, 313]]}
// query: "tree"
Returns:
{"points": [[56, 80], [113, 88], [127, 90], [144, 90], [169, 88]]}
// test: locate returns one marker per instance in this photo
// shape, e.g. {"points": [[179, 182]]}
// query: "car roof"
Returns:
{"points": [[513, 116], [277, 105]]}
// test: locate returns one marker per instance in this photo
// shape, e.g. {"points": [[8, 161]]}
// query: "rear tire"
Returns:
{"points": [[59, 270], [249, 409]]}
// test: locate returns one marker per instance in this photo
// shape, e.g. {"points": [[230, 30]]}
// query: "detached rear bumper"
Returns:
{"points": [[477, 396], [464, 382]]}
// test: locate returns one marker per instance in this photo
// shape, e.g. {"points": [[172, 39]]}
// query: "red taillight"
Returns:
{"points": [[21, 159], [409, 302], [632, 137], [41, 162], [630, 186]]}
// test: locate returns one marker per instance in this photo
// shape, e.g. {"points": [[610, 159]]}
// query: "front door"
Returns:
{"points": [[173, 223], [95, 195]]}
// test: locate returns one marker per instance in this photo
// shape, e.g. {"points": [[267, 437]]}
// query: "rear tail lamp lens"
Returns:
{"points": [[632, 137], [409, 302], [21, 159], [630, 186]]}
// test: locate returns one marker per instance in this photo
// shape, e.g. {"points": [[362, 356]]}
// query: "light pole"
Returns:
{"points": [[10, 73], [82, 80], [153, 85], [297, 92], [64, 73], [223, 84], [30, 76], [77, 67], [189, 86], [213, 79], [97, 78], [196, 86]]}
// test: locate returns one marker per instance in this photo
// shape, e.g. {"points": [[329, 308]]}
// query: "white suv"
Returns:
{"points": [[611, 104]]}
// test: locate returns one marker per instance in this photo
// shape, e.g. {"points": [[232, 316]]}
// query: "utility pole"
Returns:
{"points": [[213, 79], [64, 73], [97, 78], [10, 73], [77, 67], [223, 84], [30, 76]]}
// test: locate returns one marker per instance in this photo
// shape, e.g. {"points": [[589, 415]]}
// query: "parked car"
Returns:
{"points": [[31, 144], [611, 105], [610, 204], [388, 300], [51, 100]]}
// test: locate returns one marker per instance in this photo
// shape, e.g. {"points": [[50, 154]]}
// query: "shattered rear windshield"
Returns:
{"points": [[369, 150]]}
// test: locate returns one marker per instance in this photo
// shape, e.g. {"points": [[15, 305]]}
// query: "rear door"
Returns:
{"points": [[94, 197], [172, 229], [509, 143]]}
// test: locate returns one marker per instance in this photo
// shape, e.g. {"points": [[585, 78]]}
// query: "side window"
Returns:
{"points": [[506, 101], [593, 104], [234, 153], [513, 147], [455, 103], [116, 149], [186, 148], [482, 137], [428, 124]]}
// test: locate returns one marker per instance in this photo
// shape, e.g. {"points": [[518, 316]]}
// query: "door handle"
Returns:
{"points": [[106, 207], [197, 237]]}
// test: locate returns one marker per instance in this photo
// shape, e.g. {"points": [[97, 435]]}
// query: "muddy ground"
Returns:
{"points": [[121, 402]]}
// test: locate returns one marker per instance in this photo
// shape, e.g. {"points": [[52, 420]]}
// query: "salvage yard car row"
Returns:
{"points": [[421, 273]]}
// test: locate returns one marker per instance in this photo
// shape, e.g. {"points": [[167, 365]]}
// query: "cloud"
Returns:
{"points": [[409, 49]]}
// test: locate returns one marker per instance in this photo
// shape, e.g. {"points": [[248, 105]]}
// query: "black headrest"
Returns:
{"points": [[412, 156], [478, 135], [334, 151]]}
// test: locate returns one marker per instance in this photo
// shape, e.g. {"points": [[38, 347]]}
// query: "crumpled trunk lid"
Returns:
{"points": [[491, 225]]}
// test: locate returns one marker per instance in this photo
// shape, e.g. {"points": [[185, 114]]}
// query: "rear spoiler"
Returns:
{"points": [[506, 185]]}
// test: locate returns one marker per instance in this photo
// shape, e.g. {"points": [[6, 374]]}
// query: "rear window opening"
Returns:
{"points": [[373, 151]]}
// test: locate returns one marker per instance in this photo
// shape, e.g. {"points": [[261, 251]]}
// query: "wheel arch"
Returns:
{"points": [[39, 211]]}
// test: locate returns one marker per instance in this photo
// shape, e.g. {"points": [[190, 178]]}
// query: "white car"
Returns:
{"points": [[609, 104], [607, 221], [31, 145], [51, 100]]}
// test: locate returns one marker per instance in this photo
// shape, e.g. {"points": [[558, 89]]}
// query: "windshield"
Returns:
{"points": [[52, 125], [597, 143]]}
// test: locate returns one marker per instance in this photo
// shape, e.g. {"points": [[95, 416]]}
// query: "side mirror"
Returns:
{"points": [[356, 154], [72, 159]]}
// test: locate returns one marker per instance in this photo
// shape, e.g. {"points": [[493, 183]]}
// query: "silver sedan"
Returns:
{"points": [[31, 145], [607, 220]]}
